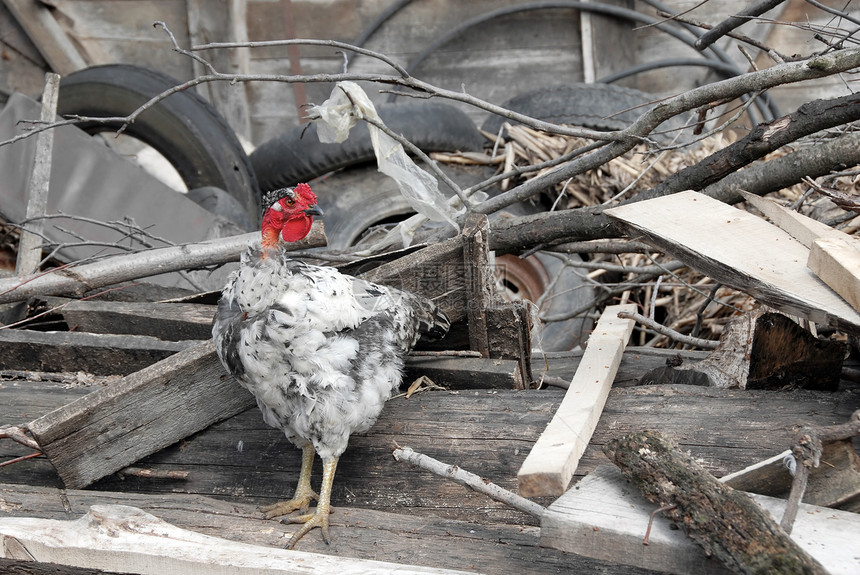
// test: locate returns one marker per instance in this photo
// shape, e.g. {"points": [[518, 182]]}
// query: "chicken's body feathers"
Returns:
{"points": [[321, 351]]}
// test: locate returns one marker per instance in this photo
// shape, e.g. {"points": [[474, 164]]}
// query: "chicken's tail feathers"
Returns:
{"points": [[433, 324]]}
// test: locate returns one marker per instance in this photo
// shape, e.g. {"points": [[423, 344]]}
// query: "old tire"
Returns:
{"points": [[184, 127], [603, 107], [297, 155]]}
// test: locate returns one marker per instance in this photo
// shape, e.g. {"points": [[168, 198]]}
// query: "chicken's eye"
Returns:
{"points": [[290, 201]]}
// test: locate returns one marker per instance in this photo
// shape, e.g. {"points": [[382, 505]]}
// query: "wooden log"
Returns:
{"points": [[123, 538], [604, 518], [552, 462], [144, 412], [725, 522], [99, 354], [740, 250], [78, 280]]}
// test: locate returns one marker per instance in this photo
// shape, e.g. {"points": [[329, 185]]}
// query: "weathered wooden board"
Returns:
{"points": [[552, 462], [488, 432], [356, 533], [126, 539], [740, 250], [802, 228], [100, 354], [604, 518], [834, 483], [49, 37], [166, 321], [141, 414]]}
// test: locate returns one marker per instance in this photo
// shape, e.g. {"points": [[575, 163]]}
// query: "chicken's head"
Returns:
{"points": [[289, 214]]}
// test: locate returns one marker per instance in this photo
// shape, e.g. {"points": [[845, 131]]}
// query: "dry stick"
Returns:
{"points": [[669, 332], [80, 279], [733, 22], [30, 245], [406, 454]]}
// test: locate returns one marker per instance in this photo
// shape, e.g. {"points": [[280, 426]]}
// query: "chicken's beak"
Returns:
{"points": [[313, 210]]}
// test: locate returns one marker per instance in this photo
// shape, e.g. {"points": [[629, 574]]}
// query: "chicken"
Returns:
{"points": [[321, 351]]}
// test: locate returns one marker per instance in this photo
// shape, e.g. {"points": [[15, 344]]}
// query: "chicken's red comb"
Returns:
{"points": [[304, 191]]}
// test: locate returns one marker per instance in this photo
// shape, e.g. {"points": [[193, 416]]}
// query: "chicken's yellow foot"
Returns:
{"points": [[304, 494], [319, 518]]}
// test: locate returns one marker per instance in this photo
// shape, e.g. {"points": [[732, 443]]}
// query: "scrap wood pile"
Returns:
{"points": [[675, 295]]}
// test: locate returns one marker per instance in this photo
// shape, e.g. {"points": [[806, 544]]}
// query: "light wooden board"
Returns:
{"points": [[837, 262], [129, 540], [740, 250], [603, 517], [802, 228], [552, 462]]}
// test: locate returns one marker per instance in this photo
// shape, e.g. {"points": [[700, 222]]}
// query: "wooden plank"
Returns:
{"points": [[355, 533], [604, 518], [465, 372], [740, 250], [99, 354], [836, 260], [30, 244], [166, 321], [434, 271], [834, 483], [552, 462], [36, 19], [126, 539], [478, 277], [489, 432], [802, 228], [144, 412]]}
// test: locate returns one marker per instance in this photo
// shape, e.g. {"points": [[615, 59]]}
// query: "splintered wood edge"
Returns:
{"points": [[552, 461], [836, 261]]}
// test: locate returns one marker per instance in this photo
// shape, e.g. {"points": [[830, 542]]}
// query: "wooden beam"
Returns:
{"points": [[166, 321], [53, 43], [465, 372], [478, 278], [605, 518], [144, 412], [837, 262], [552, 462], [30, 244], [834, 483], [740, 250], [119, 538], [99, 354]]}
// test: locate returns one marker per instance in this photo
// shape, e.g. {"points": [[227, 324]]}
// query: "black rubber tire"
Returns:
{"points": [[184, 128], [298, 156], [602, 107]]}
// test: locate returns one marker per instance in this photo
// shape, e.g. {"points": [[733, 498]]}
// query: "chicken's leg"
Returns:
{"points": [[319, 518], [302, 498]]}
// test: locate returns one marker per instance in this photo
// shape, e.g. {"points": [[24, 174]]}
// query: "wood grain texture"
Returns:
{"points": [[740, 250], [605, 517], [146, 411], [836, 261], [553, 460]]}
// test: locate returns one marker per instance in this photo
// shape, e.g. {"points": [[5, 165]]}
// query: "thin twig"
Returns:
{"points": [[463, 477], [669, 332]]}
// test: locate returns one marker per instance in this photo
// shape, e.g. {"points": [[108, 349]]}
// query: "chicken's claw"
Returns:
{"points": [[301, 501], [319, 518]]}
